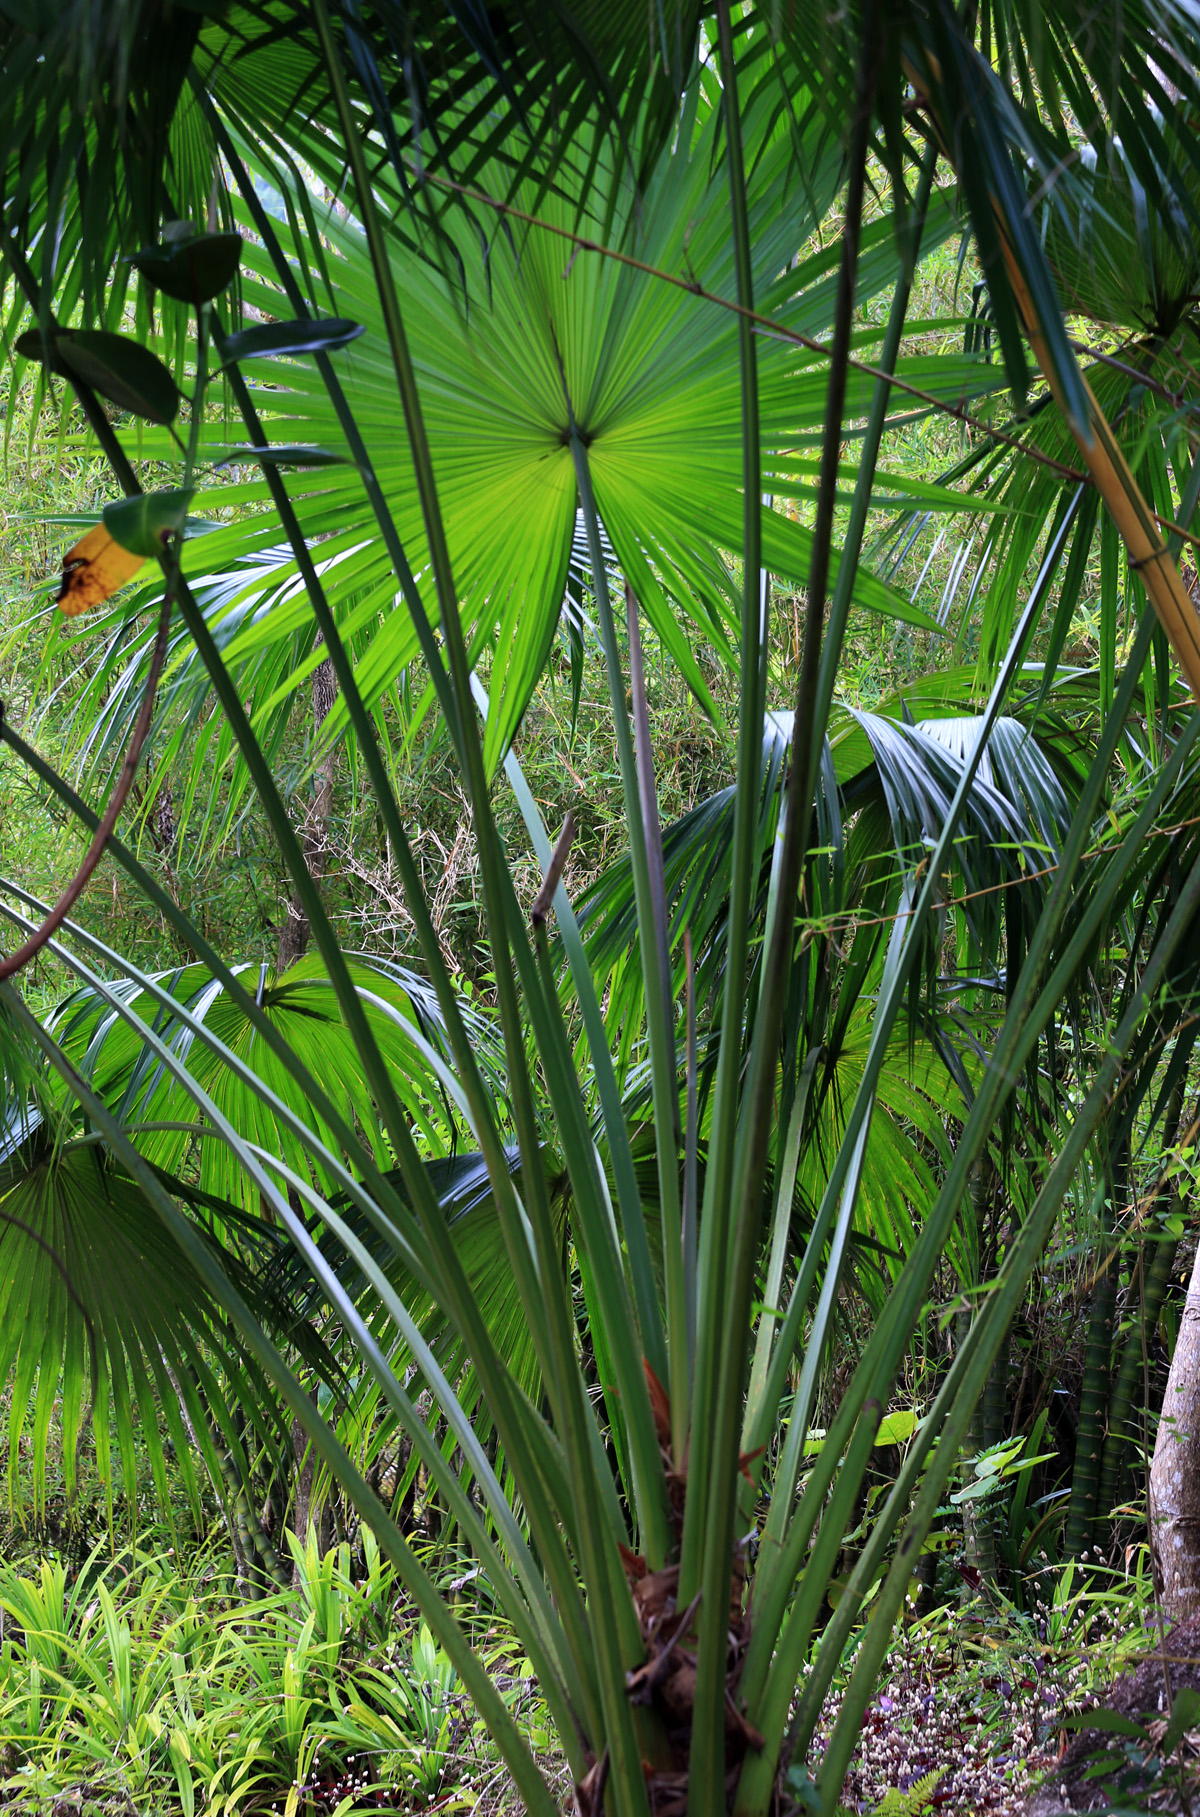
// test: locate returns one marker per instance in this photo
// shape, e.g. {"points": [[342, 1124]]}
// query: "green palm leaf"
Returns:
{"points": [[649, 376], [301, 1005], [108, 1328]]}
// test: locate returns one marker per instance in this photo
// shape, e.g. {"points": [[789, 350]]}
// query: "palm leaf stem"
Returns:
{"points": [[769, 1711], [730, 1227], [764, 1396], [835, 1636], [965, 1372], [482, 1119], [474, 776], [648, 794], [596, 1228], [452, 1284], [666, 1080], [725, 1316], [380, 1190], [609, 1602], [368, 744], [534, 1617], [271, 801], [706, 1554], [347, 422], [886, 1012], [219, 1128], [785, 1186], [542, 1248], [394, 1121], [599, 1255], [398, 1218], [531, 1267], [839, 608], [823, 1257], [660, 1031], [1149, 557], [633, 1223], [786, 1541], [483, 1122], [691, 1149], [1003, 1304], [520, 1588], [411, 1574]]}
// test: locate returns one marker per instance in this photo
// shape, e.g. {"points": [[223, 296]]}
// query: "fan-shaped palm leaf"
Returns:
{"points": [[640, 363], [110, 1329], [302, 1007]]}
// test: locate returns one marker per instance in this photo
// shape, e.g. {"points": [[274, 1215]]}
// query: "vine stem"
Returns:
{"points": [[92, 408], [29, 950]]}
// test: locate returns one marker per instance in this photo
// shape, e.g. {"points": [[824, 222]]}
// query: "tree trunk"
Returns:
{"points": [[314, 834], [258, 1565], [306, 1512], [1175, 1471]]}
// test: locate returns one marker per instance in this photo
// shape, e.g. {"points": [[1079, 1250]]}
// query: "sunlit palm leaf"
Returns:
{"points": [[646, 367]]}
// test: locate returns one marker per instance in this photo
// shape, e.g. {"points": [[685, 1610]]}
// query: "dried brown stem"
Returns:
{"points": [[545, 896]]}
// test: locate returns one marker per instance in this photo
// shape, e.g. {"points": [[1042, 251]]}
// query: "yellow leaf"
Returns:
{"points": [[93, 570]]}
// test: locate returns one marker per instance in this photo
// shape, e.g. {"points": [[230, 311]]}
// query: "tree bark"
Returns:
{"points": [[304, 1513], [1175, 1472]]}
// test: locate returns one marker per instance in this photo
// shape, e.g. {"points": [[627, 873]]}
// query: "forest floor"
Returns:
{"points": [[978, 1703]]}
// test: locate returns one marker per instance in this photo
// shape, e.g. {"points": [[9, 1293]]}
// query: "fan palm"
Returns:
{"points": [[641, 364], [671, 1685]]}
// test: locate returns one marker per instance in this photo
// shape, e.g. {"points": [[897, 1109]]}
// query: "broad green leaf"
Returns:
{"points": [[119, 368], [97, 1302], [146, 523], [192, 269]]}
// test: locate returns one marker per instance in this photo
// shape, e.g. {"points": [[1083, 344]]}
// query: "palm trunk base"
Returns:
{"points": [[663, 1687]]}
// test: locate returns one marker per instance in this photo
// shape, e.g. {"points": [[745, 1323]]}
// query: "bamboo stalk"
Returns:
{"points": [[1122, 1434], [1149, 556], [1097, 1378]]}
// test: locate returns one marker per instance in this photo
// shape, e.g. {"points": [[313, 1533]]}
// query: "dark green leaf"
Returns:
{"points": [[123, 371], [1112, 1721], [1185, 1715], [86, 1257], [286, 455], [193, 270], [272, 339]]}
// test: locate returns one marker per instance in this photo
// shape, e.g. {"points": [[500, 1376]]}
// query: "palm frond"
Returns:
{"points": [[110, 1332]]}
